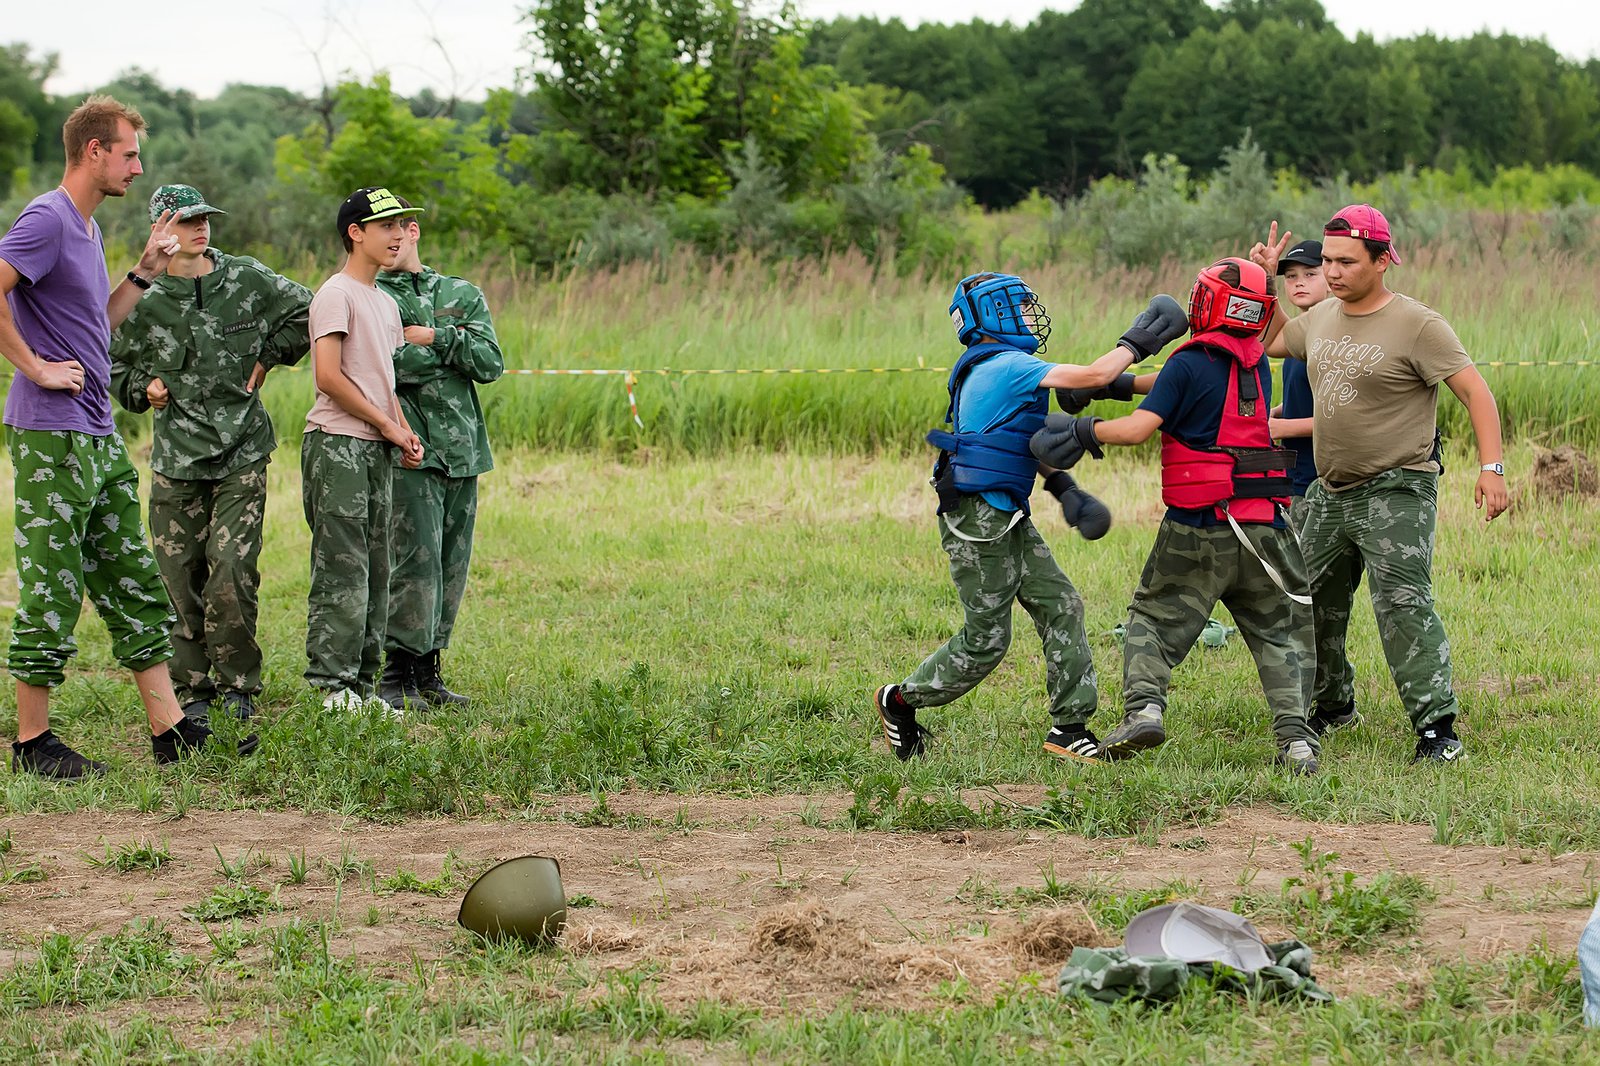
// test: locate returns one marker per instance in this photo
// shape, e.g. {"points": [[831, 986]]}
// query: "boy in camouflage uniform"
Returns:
{"points": [[450, 348], [196, 349], [1375, 359], [345, 456], [999, 394], [1222, 537]]}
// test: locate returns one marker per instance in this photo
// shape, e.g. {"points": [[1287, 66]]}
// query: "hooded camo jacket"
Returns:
{"points": [[202, 337], [437, 383]]}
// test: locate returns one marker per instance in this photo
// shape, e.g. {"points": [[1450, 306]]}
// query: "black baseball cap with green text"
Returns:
{"points": [[370, 205]]}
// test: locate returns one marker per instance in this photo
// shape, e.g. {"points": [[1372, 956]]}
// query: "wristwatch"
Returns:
{"points": [[1493, 468], [143, 283]]}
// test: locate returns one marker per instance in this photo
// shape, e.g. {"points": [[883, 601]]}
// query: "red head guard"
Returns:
{"points": [[1216, 304]]}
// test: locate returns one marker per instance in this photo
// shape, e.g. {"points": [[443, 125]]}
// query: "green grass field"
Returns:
{"points": [[671, 635], [711, 628]]}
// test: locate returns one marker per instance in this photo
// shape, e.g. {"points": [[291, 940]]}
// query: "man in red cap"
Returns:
{"points": [[1375, 359]]}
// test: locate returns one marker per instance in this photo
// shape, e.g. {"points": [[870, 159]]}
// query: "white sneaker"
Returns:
{"points": [[344, 700]]}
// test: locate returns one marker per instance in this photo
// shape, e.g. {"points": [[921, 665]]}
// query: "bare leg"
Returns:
{"points": [[33, 711], [160, 702]]}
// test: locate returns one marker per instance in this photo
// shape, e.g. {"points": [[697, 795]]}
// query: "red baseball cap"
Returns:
{"points": [[1366, 223]]}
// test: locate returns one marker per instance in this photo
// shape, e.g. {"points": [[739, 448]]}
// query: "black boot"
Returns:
{"points": [[399, 681], [431, 685]]}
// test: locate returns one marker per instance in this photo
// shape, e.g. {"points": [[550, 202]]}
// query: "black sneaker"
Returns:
{"points": [[199, 710], [905, 734], [1140, 730], [240, 705], [1324, 721], [187, 738], [1298, 757], [49, 757], [1078, 743], [1439, 743]]}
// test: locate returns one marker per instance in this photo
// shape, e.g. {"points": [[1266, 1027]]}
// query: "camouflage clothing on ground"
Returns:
{"points": [[1111, 975], [1190, 568], [202, 337], [1385, 525], [436, 507], [346, 489], [207, 538], [989, 577], [77, 531]]}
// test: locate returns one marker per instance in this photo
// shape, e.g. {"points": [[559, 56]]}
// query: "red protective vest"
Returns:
{"points": [[1194, 479]]}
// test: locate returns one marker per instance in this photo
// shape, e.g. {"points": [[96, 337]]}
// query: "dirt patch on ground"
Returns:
{"points": [[743, 900], [1565, 471]]}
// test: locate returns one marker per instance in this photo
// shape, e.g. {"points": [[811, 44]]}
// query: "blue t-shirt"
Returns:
{"points": [[1297, 403], [994, 391], [1189, 395]]}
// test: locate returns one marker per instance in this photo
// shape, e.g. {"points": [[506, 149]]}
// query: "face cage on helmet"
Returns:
{"points": [[1017, 309]]}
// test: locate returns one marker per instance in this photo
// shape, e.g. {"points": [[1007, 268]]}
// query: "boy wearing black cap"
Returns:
{"points": [[1375, 359], [1303, 284], [344, 456]]}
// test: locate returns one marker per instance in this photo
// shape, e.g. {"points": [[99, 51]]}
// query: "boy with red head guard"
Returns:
{"points": [[1223, 537]]}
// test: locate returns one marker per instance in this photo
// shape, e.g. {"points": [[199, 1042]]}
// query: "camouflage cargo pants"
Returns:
{"points": [[989, 577], [78, 531], [434, 516], [1188, 571], [1385, 525], [207, 537], [346, 486]]}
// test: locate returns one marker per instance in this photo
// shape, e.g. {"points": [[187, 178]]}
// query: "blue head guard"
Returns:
{"points": [[1001, 306]]}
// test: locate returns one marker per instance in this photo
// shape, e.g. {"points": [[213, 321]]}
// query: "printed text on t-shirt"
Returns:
{"points": [[1340, 364]]}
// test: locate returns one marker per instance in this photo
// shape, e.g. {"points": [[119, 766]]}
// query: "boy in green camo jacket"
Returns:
{"points": [[450, 348], [196, 349]]}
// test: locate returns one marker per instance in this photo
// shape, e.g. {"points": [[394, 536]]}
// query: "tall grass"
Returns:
{"points": [[847, 312]]}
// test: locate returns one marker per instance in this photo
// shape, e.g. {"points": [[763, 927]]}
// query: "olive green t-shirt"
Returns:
{"points": [[1375, 380]]}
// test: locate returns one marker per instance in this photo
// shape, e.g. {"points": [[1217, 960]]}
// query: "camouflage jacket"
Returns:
{"points": [[436, 382], [202, 337]]}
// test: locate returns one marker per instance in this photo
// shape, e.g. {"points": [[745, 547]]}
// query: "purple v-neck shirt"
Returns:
{"points": [[59, 307]]}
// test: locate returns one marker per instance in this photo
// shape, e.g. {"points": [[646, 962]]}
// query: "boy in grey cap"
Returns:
{"points": [[196, 349]]}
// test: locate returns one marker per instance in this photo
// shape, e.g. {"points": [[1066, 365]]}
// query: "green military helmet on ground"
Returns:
{"points": [[184, 201], [520, 898]]}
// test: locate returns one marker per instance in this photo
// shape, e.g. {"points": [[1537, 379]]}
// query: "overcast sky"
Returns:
{"points": [[468, 46]]}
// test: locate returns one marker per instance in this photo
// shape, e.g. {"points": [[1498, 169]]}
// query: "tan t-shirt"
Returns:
{"points": [[1375, 383], [370, 322]]}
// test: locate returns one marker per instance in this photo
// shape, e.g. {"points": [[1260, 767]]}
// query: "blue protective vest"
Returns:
{"points": [[996, 460]]}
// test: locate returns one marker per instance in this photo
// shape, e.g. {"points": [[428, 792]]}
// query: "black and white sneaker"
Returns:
{"points": [[1324, 720], [1439, 743], [1078, 743], [48, 756], [905, 734], [1140, 730]]}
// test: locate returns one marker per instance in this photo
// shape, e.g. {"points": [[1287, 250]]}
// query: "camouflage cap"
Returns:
{"points": [[185, 200]]}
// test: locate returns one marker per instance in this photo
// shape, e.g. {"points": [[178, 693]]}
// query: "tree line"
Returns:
{"points": [[651, 124]]}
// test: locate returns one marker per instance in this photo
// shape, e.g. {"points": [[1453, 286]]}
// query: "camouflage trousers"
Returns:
{"points": [[207, 537], [1386, 526], [989, 577], [434, 516], [77, 531], [346, 484], [1188, 571]]}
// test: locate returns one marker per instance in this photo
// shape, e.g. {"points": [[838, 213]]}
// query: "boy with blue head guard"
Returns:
{"points": [[999, 396]]}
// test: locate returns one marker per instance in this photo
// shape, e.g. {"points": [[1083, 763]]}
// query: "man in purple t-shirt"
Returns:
{"points": [[78, 528]]}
